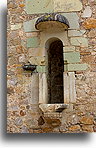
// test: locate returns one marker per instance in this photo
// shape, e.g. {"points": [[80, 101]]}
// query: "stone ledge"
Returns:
{"points": [[53, 107]]}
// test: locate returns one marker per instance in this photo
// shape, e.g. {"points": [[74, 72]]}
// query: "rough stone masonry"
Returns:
{"points": [[26, 45]]}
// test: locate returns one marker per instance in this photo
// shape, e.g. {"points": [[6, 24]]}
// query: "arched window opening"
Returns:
{"points": [[55, 69]]}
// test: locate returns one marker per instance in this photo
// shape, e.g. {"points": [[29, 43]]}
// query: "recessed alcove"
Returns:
{"points": [[54, 77], [53, 93], [55, 72]]}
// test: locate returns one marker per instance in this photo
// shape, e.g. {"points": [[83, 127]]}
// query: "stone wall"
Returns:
{"points": [[23, 113]]}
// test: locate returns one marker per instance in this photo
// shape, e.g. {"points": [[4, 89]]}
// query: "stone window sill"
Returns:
{"points": [[53, 107]]}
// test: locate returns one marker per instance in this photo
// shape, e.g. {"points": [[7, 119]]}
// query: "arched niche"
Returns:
{"points": [[54, 69]]}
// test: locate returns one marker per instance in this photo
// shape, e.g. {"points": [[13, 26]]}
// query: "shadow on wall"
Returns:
{"points": [[83, 137]]}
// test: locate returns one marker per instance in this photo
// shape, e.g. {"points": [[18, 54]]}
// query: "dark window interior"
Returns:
{"points": [[55, 73]]}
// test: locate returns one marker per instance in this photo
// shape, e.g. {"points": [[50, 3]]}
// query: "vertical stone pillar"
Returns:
{"points": [[43, 90], [34, 89], [72, 87], [69, 87], [66, 88]]}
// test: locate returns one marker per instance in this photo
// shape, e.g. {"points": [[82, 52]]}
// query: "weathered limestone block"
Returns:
{"points": [[33, 42], [75, 32], [79, 41], [41, 69], [37, 60], [34, 89], [70, 17], [29, 26], [77, 67], [67, 5], [35, 6], [68, 48], [87, 12], [72, 57], [49, 6]]}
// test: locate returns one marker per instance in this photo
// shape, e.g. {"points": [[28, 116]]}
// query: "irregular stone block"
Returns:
{"points": [[87, 120], [74, 128], [37, 60], [29, 26], [53, 122], [79, 41], [70, 17], [22, 58], [75, 32], [35, 6], [41, 69], [15, 27], [32, 123], [92, 33], [18, 121], [89, 23], [87, 12], [77, 67], [10, 90], [32, 42], [67, 5], [68, 48], [72, 57], [88, 128]]}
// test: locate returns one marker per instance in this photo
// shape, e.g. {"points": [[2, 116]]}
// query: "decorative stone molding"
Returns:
{"points": [[52, 107], [51, 21]]}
